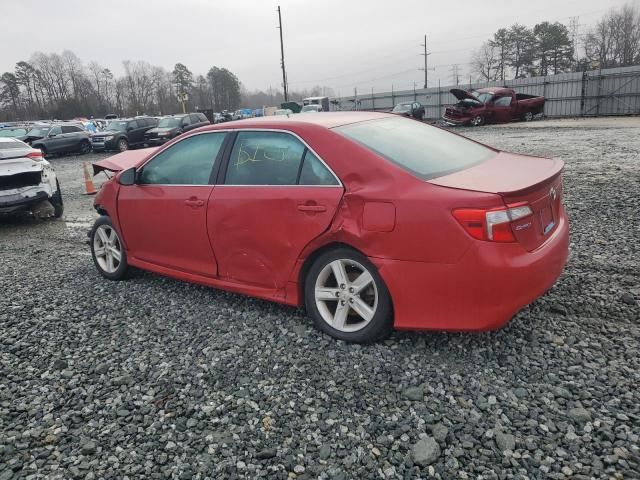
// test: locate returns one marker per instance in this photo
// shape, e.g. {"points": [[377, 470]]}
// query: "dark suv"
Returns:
{"points": [[173, 125], [123, 133], [61, 138]]}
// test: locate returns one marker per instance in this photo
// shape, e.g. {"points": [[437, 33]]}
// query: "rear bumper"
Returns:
{"points": [[483, 291], [17, 202]]}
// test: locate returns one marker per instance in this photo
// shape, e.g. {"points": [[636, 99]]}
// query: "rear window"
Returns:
{"points": [[12, 145], [425, 151]]}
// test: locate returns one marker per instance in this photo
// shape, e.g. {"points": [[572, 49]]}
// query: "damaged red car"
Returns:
{"points": [[492, 105], [369, 220]]}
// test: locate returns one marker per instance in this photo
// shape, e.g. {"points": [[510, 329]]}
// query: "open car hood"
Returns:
{"points": [[464, 95], [123, 161]]}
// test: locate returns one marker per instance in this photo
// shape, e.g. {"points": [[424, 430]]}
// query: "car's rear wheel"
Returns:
{"points": [[477, 121], [107, 250], [123, 145], [528, 116], [56, 201], [346, 297], [85, 147]]}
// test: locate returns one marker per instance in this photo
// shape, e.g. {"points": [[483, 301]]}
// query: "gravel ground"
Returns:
{"points": [[154, 378]]}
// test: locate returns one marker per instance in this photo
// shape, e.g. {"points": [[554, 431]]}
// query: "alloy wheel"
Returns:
{"points": [[477, 121], [107, 248], [346, 295], [123, 145]]}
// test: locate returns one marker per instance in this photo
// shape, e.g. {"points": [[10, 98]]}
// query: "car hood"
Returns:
{"points": [[464, 95], [105, 133], [123, 161]]}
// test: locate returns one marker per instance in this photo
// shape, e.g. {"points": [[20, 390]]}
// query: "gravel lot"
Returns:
{"points": [[153, 378]]}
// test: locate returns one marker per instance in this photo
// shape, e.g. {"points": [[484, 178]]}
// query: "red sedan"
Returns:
{"points": [[369, 220]]}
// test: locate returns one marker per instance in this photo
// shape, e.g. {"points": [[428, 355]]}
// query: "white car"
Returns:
{"points": [[27, 181]]}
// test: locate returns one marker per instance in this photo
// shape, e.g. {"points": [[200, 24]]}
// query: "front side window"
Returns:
{"points": [[264, 158], [187, 162], [132, 125], [55, 131], [425, 151]]}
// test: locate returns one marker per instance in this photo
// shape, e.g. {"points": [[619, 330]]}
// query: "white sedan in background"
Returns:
{"points": [[27, 181]]}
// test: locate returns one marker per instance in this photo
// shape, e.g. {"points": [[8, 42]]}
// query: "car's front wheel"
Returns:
{"points": [[85, 147], [346, 297], [477, 121], [107, 250], [123, 145]]}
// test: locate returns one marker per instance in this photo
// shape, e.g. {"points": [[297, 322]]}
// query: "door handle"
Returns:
{"points": [[194, 202], [312, 208]]}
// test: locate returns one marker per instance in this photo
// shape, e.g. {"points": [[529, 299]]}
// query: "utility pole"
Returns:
{"points": [[455, 77], [574, 25], [426, 69], [284, 72]]}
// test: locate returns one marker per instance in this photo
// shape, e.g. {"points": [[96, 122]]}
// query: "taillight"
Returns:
{"points": [[491, 224], [35, 156]]}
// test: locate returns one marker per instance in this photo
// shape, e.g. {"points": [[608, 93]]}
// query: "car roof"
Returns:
{"points": [[323, 119]]}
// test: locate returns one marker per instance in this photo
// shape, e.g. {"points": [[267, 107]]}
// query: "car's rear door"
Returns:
{"points": [[163, 215], [275, 196]]}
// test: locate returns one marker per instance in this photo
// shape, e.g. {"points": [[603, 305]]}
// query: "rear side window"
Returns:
{"points": [[265, 158], [425, 151], [70, 129], [187, 162], [314, 172]]}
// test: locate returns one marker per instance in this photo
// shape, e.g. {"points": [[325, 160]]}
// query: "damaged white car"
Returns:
{"points": [[27, 181]]}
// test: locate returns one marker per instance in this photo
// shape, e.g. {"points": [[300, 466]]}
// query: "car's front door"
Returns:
{"points": [[163, 215], [276, 196], [502, 108]]}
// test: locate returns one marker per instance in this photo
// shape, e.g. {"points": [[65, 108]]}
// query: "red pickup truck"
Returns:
{"points": [[491, 105]]}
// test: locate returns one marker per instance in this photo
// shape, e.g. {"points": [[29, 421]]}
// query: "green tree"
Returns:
{"points": [[554, 48], [225, 89], [522, 45], [10, 91], [183, 81], [502, 43]]}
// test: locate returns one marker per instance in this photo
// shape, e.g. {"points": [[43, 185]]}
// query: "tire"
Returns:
{"points": [[528, 116], [477, 121], [103, 234], [56, 201], [85, 147], [123, 145], [371, 297]]}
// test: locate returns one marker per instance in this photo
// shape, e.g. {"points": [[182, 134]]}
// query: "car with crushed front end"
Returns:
{"points": [[27, 181], [370, 220]]}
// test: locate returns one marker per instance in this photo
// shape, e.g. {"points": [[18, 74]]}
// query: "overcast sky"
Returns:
{"points": [[341, 44]]}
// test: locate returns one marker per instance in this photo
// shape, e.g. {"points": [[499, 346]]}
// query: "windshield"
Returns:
{"points": [[117, 126], [484, 97], [311, 108], [402, 107], [38, 132], [169, 122], [427, 152], [12, 132]]}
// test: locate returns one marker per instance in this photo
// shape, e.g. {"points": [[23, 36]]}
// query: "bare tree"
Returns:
{"points": [[485, 63]]}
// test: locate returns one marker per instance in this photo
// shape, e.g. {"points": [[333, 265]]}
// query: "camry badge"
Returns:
{"points": [[553, 194]]}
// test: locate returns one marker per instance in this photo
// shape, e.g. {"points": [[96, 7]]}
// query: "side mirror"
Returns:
{"points": [[128, 177], [129, 129], [51, 135]]}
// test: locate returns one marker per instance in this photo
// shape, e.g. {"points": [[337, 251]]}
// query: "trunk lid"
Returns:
{"points": [[535, 181], [123, 161]]}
